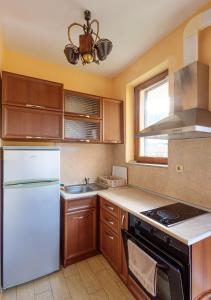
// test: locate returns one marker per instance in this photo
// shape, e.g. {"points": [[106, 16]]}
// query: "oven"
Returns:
{"points": [[172, 259]]}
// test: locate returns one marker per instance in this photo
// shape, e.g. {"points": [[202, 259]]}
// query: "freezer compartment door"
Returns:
{"points": [[31, 232], [30, 165]]}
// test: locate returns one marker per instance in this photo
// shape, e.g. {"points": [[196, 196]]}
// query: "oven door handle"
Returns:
{"points": [[162, 267]]}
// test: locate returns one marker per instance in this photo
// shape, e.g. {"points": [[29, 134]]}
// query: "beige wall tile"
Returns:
{"points": [[85, 160], [193, 185]]}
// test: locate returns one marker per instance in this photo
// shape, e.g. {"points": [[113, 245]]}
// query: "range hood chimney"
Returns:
{"points": [[191, 118]]}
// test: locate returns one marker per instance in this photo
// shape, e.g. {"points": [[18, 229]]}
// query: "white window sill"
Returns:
{"points": [[133, 162]]}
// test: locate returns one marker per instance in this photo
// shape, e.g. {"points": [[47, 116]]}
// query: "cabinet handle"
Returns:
{"points": [[81, 217], [123, 218], [35, 106], [86, 116], [109, 207], [85, 141], [110, 222], [34, 137], [109, 236]]}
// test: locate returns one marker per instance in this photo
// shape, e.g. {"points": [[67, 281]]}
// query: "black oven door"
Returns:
{"points": [[170, 285]]}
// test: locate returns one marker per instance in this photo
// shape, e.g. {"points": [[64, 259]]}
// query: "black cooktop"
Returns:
{"points": [[172, 214]]}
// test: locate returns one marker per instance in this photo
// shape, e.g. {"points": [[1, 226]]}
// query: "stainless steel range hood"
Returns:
{"points": [[191, 118]]}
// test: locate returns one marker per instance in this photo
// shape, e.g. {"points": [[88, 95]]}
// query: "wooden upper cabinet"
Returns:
{"points": [[82, 105], [30, 92], [27, 123], [112, 121], [82, 129]]}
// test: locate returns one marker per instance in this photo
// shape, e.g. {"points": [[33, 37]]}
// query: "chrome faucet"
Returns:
{"points": [[86, 179]]}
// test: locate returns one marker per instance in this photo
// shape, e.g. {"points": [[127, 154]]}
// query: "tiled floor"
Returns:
{"points": [[91, 279]]}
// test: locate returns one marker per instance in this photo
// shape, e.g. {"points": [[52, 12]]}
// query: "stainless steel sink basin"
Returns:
{"points": [[83, 188]]}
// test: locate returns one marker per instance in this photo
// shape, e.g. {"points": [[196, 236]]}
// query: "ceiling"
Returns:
{"points": [[39, 27]]}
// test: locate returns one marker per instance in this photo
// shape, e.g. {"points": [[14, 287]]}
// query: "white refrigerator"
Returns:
{"points": [[30, 213]]}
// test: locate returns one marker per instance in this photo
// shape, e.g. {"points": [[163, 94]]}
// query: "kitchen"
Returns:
{"points": [[87, 114]]}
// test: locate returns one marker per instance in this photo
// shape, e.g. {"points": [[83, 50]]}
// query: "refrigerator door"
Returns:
{"points": [[31, 232], [30, 165]]}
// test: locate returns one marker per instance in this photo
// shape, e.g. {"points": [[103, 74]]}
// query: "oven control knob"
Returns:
{"points": [[164, 221], [149, 213]]}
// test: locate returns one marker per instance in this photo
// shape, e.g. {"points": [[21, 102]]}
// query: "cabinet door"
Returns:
{"points": [[112, 121], [82, 130], [31, 92], [82, 105], [80, 234], [123, 263], [26, 123], [109, 245]]}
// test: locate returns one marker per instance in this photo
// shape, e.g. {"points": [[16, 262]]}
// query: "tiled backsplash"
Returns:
{"points": [[193, 185]]}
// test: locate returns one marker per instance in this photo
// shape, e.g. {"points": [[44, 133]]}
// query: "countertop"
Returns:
{"points": [[135, 200]]}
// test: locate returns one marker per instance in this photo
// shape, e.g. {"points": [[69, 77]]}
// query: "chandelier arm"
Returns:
{"points": [[96, 34], [68, 30], [97, 37]]}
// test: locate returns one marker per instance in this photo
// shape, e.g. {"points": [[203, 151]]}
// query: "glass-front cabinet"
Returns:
{"points": [[82, 117]]}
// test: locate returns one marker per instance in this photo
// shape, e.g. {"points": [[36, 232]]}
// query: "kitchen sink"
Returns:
{"points": [[83, 188]]}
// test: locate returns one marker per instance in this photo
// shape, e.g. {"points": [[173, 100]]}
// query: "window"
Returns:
{"points": [[152, 103]]}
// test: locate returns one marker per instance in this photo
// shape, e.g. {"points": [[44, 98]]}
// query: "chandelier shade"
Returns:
{"points": [[91, 47]]}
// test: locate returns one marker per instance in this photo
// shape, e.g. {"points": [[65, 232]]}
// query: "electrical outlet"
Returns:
{"points": [[179, 168]]}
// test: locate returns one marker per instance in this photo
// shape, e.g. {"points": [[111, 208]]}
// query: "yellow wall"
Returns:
{"points": [[194, 184], [72, 77], [1, 48]]}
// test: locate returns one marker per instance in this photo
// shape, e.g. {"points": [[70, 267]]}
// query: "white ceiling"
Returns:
{"points": [[39, 27]]}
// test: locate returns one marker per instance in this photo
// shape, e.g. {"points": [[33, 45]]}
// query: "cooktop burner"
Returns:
{"points": [[172, 214], [164, 213]]}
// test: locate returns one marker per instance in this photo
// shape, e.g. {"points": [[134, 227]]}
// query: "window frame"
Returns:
{"points": [[146, 84]]}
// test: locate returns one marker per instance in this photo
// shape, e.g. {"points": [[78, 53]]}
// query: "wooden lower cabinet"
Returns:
{"points": [[112, 220], [109, 245], [201, 269], [79, 230], [27, 123], [123, 270]]}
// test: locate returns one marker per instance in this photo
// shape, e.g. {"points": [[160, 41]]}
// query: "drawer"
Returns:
{"points": [[109, 220], [110, 207], [109, 245], [80, 204]]}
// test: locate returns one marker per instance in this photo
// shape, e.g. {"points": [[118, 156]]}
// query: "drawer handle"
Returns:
{"points": [[123, 218], [29, 137], [81, 217], [110, 222], [109, 236], [35, 106], [109, 207]]}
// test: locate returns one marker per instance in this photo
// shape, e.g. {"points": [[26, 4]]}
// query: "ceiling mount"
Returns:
{"points": [[91, 47], [87, 15]]}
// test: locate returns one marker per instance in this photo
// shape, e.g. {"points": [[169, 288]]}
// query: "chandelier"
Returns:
{"points": [[91, 47]]}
